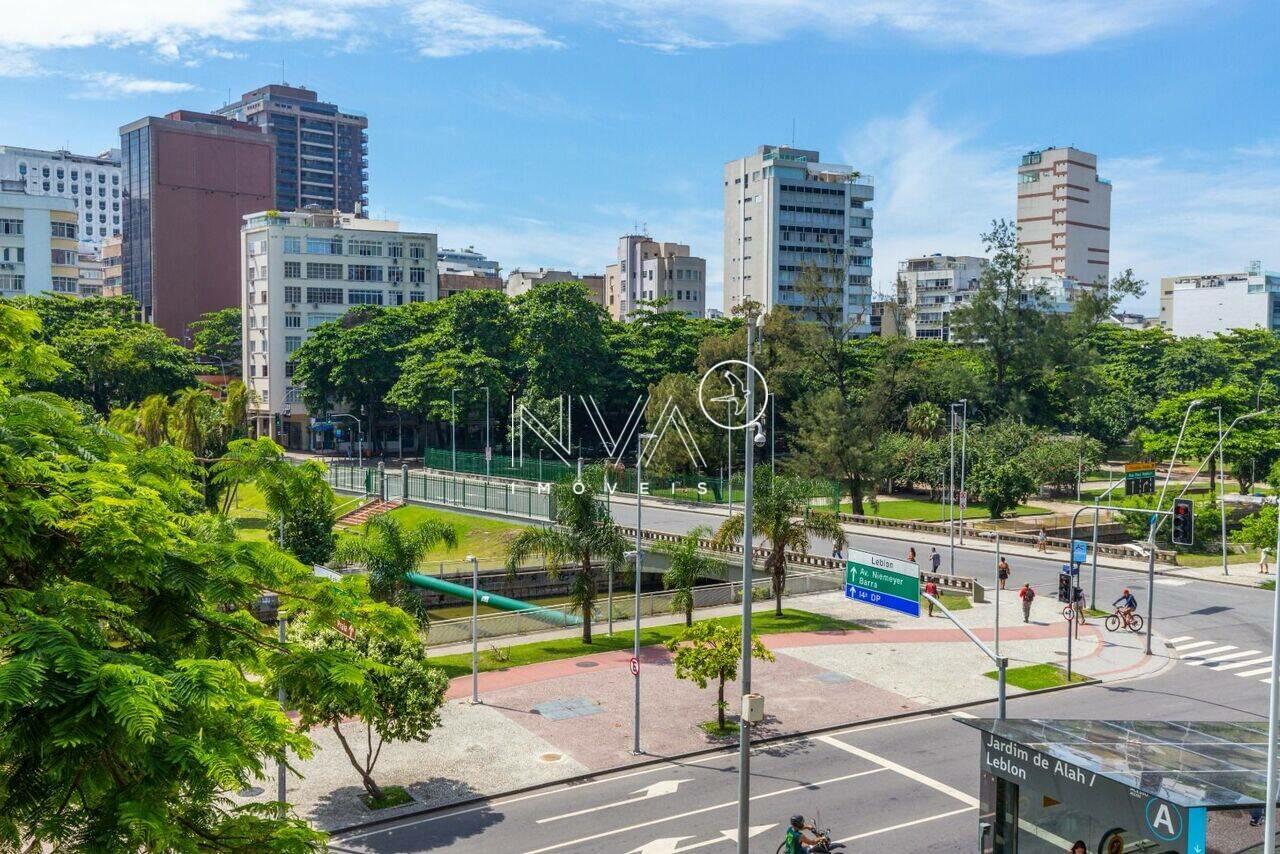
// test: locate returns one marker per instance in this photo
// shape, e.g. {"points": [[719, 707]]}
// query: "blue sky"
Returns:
{"points": [[541, 131]]}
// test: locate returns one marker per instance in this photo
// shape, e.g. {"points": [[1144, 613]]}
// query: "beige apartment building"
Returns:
{"points": [[456, 283], [522, 281], [1064, 216], [39, 249], [651, 270], [785, 211], [112, 272]]}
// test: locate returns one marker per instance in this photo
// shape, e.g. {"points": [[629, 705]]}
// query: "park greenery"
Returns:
{"points": [[713, 651]]}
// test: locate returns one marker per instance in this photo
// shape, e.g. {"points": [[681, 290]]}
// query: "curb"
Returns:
{"points": [[706, 751]]}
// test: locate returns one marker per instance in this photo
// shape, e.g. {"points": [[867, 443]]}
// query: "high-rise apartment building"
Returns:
{"points": [[467, 261], [1064, 216], [91, 183], [648, 269], [785, 211], [931, 287], [189, 179], [39, 251], [1205, 303], [304, 268], [322, 152], [522, 281], [111, 271]]}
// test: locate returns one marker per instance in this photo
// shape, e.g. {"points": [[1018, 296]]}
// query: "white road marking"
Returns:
{"points": [[1204, 653], [577, 787], [1206, 658], [1173, 641], [655, 790], [1186, 647], [733, 803], [671, 845], [937, 785], [894, 827], [1266, 659], [1258, 672], [1173, 582]]}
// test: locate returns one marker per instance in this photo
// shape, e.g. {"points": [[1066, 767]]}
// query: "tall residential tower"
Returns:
{"points": [[785, 210], [651, 270], [322, 152], [1064, 216]]}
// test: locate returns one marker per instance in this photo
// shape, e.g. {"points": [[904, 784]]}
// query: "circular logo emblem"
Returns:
{"points": [[1164, 821], [728, 389]]}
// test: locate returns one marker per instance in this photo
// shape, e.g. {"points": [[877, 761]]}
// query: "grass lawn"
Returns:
{"points": [[915, 510], [1215, 559], [1033, 677], [1268, 585], [950, 601], [763, 622], [713, 728], [481, 536], [453, 612], [392, 796], [249, 512]]}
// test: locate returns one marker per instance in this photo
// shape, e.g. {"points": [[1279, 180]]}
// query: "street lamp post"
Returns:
{"points": [[488, 450], [641, 438], [951, 492], [475, 636], [280, 764], [748, 477], [964, 444], [453, 430], [1222, 494], [1273, 717]]}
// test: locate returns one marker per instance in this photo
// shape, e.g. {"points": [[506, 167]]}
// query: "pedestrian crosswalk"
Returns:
{"points": [[1211, 655]]}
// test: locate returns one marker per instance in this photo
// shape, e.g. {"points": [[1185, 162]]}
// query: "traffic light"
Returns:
{"points": [[277, 418], [1183, 522]]}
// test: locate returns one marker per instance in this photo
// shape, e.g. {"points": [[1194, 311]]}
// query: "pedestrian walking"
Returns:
{"points": [[1078, 602], [1027, 595], [1002, 572], [1263, 567], [836, 551], [911, 555], [1042, 541], [935, 559], [930, 587], [1079, 848]]}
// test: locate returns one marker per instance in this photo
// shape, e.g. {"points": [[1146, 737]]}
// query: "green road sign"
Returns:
{"points": [[883, 581]]}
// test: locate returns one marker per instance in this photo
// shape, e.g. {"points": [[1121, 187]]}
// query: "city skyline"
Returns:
{"points": [[561, 163]]}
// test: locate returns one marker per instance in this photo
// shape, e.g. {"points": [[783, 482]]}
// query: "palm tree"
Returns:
{"points": [[924, 419], [244, 461], [390, 550], [781, 515], [152, 425], [583, 532], [688, 564]]}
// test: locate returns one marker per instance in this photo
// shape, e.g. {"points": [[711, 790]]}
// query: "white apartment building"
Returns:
{"points": [[650, 270], [522, 281], [930, 287], [93, 273], [467, 262], [785, 210], [302, 269], [91, 183], [1064, 216], [1205, 303], [39, 252]]}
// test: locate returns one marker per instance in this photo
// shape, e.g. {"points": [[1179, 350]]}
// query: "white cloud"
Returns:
{"points": [[107, 84], [19, 64], [938, 188], [998, 26], [453, 28]]}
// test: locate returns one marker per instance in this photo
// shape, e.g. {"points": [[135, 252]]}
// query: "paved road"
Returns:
{"points": [[898, 786]]}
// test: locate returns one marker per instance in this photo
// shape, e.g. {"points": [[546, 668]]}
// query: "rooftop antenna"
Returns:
{"points": [[793, 132]]}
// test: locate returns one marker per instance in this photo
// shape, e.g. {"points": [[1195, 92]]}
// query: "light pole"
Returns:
{"points": [[453, 430], [641, 438], [488, 450], [1222, 494], [964, 444], [1273, 717], [728, 444], [280, 765], [359, 431], [951, 492], [750, 438], [475, 636]]}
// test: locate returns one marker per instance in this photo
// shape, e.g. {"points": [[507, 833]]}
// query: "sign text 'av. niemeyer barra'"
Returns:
{"points": [[883, 581]]}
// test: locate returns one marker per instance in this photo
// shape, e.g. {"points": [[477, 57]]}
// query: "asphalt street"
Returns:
{"points": [[901, 786]]}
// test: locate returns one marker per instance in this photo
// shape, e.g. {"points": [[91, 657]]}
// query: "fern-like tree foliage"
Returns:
{"points": [[781, 515], [136, 689], [688, 563], [389, 551], [583, 534]]}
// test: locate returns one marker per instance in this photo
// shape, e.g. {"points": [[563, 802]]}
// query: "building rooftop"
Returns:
{"points": [[110, 157], [321, 219]]}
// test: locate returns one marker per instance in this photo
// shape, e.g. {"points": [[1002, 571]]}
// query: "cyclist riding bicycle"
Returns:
{"points": [[797, 842], [1127, 604]]}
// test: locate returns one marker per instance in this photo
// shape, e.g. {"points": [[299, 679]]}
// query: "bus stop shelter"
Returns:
{"points": [[1157, 787]]}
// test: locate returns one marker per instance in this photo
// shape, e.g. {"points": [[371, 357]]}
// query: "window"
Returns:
{"points": [[417, 296], [292, 293], [314, 319], [365, 248], [293, 270], [293, 245], [364, 273], [1028, 177], [64, 285], [417, 275], [359, 297], [293, 321], [417, 251], [10, 226], [44, 172], [115, 179], [61, 187], [323, 271], [395, 275], [65, 257], [395, 250], [324, 245], [12, 283], [291, 343], [325, 295], [63, 229]]}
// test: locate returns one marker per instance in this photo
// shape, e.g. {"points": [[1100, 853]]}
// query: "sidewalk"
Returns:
{"points": [[559, 719]]}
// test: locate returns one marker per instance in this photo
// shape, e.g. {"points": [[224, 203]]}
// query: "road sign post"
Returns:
{"points": [[1079, 551], [885, 582]]}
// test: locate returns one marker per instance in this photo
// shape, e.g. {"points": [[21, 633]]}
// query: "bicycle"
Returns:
{"points": [[1115, 621]]}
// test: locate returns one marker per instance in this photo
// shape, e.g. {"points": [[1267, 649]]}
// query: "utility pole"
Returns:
{"points": [[1222, 494], [964, 444], [748, 500], [1273, 718], [951, 491], [635, 650], [280, 695], [488, 449], [475, 637]]}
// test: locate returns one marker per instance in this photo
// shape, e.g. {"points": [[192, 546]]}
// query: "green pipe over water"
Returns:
{"points": [[493, 600]]}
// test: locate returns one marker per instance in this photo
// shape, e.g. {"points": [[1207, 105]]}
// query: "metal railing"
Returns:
{"points": [[441, 490]]}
